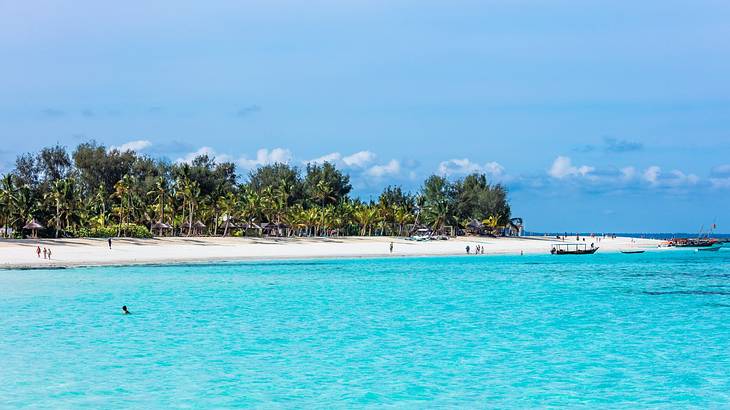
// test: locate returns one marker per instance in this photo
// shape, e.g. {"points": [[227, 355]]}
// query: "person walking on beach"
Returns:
{"points": [[110, 242], [45, 253], [49, 253], [38, 251], [391, 247], [482, 249], [467, 249]]}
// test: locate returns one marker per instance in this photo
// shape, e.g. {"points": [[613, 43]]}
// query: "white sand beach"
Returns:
{"points": [[94, 252]]}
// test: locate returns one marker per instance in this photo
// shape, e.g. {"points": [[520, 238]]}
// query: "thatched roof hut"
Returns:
{"points": [[34, 226]]}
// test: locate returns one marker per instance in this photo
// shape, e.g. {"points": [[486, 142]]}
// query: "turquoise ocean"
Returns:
{"points": [[608, 330]]}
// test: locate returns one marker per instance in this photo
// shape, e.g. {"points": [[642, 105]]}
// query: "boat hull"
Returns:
{"points": [[578, 252]]}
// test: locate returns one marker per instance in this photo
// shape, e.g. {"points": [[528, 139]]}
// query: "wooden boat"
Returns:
{"points": [[693, 242], [631, 251], [572, 249]]}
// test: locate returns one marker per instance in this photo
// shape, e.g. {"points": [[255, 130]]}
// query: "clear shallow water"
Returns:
{"points": [[650, 330]]}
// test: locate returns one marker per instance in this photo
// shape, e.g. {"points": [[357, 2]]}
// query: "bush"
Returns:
{"points": [[128, 230]]}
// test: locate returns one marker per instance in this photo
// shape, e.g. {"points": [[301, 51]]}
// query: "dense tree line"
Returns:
{"points": [[95, 191]]}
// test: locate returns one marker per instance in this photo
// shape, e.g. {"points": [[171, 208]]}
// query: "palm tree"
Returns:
{"points": [[252, 205], [123, 190], [365, 216], [65, 197], [283, 192], [7, 201], [98, 205], [57, 195], [192, 193], [228, 205], [439, 212], [159, 192], [491, 222], [402, 217], [25, 206], [323, 192]]}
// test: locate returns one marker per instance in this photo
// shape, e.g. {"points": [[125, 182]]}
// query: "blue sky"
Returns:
{"points": [[596, 115]]}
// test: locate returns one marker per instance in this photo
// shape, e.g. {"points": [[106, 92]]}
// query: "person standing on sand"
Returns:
{"points": [[49, 253], [482, 249], [38, 251], [45, 253], [110, 243], [467, 249], [391, 247]]}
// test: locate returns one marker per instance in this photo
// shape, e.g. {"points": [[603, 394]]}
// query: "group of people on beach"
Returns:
{"points": [[478, 250], [46, 252]]}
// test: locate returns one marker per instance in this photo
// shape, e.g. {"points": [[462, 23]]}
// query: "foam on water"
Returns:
{"points": [[610, 329]]}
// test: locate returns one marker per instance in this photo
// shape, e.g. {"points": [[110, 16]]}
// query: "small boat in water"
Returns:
{"points": [[630, 251], [572, 249], [710, 249]]}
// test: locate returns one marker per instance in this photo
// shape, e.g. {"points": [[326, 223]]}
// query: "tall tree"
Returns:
{"points": [[326, 185]]}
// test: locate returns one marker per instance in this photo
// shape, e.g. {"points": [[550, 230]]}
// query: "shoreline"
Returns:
{"points": [[94, 252]]}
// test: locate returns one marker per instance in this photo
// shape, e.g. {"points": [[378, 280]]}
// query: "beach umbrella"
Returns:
{"points": [[34, 226]]}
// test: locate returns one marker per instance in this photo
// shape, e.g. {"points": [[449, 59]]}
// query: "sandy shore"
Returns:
{"points": [[16, 254]]}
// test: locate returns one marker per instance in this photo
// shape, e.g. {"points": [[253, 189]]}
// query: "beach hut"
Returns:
{"points": [[474, 227], [228, 225], [254, 227], [160, 226], [198, 227], [515, 227], [34, 226]]}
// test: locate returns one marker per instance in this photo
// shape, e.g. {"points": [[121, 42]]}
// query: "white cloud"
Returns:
{"points": [[391, 168], [721, 170], [359, 159], [651, 174], [463, 166], [563, 167], [674, 179], [137, 145], [210, 152], [332, 158], [494, 169], [679, 178], [265, 157], [458, 166], [720, 182], [628, 173]]}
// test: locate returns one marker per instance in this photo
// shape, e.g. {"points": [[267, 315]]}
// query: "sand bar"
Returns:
{"points": [[20, 254]]}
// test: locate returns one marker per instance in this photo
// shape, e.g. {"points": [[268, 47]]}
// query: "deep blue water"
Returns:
{"points": [[607, 330]]}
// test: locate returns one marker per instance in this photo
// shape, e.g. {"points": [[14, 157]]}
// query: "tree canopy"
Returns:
{"points": [[98, 191]]}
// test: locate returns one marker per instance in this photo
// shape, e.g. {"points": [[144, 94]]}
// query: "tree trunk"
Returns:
{"points": [[58, 217], [190, 222]]}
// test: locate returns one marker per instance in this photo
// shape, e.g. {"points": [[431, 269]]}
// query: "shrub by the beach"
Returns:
{"points": [[128, 230]]}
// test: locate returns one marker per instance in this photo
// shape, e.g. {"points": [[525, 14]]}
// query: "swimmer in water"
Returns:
{"points": [[125, 311]]}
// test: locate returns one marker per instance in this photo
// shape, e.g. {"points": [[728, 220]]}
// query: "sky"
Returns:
{"points": [[597, 115]]}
